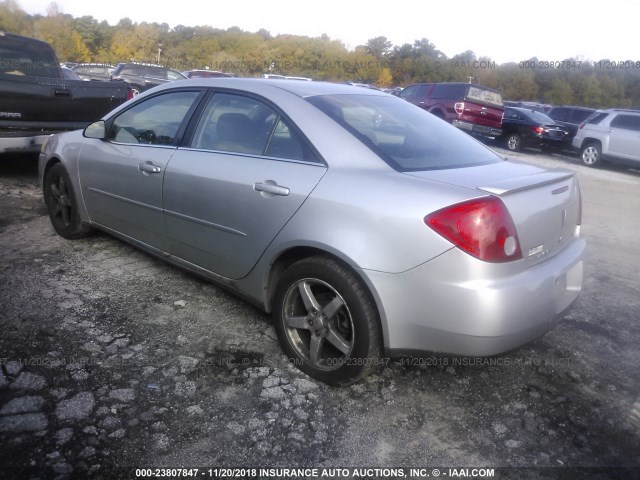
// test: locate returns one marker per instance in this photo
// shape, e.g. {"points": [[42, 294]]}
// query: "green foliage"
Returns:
{"points": [[378, 62]]}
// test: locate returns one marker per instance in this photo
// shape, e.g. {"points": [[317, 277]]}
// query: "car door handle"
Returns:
{"points": [[271, 187], [61, 92], [149, 168]]}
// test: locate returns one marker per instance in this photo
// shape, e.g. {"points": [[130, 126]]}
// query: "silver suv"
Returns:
{"points": [[612, 134]]}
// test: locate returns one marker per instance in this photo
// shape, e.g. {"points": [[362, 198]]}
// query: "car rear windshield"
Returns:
{"points": [[484, 96], [22, 57], [539, 118], [405, 136], [596, 117]]}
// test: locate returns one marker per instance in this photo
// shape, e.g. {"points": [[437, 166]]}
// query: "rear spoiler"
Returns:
{"points": [[519, 184]]}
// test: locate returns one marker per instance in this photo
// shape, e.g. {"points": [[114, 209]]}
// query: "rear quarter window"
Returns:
{"points": [[627, 122]]}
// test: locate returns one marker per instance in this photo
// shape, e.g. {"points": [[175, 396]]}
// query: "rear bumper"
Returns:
{"points": [[476, 129], [448, 305]]}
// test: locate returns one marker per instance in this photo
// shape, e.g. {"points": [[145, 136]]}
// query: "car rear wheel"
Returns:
{"points": [[591, 154], [513, 142], [61, 204], [326, 321]]}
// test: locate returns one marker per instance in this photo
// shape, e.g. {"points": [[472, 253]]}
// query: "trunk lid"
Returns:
{"points": [[544, 204]]}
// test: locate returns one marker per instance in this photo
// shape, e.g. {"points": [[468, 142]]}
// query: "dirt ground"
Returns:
{"points": [[111, 358]]}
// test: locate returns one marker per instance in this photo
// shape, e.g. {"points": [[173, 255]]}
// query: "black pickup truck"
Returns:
{"points": [[36, 101]]}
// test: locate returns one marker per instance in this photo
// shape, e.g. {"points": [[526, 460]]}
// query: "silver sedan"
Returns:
{"points": [[365, 225]]}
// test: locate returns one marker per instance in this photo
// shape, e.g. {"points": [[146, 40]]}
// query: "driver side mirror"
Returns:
{"points": [[96, 130]]}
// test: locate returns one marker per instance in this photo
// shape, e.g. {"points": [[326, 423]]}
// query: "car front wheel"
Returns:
{"points": [[591, 154], [326, 321], [61, 204]]}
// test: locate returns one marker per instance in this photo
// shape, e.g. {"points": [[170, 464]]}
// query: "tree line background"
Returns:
{"points": [[85, 39]]}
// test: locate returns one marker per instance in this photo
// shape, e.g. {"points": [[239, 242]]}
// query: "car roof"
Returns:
{"points": [[296, 87], [522, 109], [575, 107], [625, 110]]}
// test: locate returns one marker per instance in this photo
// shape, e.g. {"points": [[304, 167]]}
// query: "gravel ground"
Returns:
{"points": [[111, 358]]}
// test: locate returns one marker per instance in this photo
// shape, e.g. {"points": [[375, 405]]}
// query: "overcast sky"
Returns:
{"points": [[506, 31]]}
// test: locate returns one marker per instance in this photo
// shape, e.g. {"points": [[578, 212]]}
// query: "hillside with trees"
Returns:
{"points": [[593, 83]]}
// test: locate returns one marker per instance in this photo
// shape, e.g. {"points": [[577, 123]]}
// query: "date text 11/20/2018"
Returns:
{"points": [[576, 64], [316, 473]]}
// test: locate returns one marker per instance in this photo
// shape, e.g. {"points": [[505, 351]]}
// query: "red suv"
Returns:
{"points": [[473, 108]]}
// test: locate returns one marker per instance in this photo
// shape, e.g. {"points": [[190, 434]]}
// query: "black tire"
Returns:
{"points": [[61, 204], [591, 154], [331, 332], [513, 142]]}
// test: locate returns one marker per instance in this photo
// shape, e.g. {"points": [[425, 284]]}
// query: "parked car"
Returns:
{"points": [[275, 76], [94, 71], [39, 97], [522, 127], [570, 117], [349, 214], [142, 76], [476, 109], [363, 85], [69, 74], [206, 74], [538, 107], [612, 134]]}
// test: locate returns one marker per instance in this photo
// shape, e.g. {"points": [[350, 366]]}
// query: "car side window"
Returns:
{"points": [[237, 124], [627, 122], [409, 92], [560, 114], [449, 92], [154, 121]]}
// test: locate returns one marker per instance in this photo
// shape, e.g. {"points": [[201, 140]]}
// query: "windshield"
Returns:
{"points": [[403, 135]]}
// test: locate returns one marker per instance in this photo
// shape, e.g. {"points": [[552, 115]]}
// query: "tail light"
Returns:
{"points": [[537, 130], [481, 227], [459, 107], [581, 126]]}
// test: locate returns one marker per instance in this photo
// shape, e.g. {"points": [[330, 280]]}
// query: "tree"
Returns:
{"points": [[589, 92], [13, 19], [57, 29], [561, 93], [516, 83], [385, 79], [379, 47], [96, 36]]}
